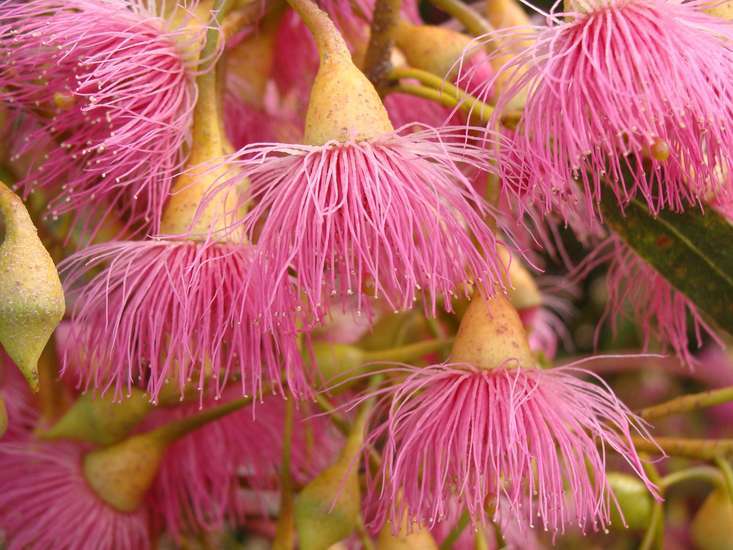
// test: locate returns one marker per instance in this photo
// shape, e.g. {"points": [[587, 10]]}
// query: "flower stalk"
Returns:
{"points": [[689, 403]]}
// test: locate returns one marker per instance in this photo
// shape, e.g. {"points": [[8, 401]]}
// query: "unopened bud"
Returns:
{"points": [[122, 473], [523, 291], [337, 362], [438, 50], [503, 14], [724, 10], [415, 538], [32, 301], [99, 419], [634, 500], [712, 528], [328, 509]]}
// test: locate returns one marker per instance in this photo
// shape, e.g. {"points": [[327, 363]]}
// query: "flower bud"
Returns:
{"points": [[394, 329], [340, 362], [417, 538], [506, 14], [249, 63], [99, 419], [327, 510], [122, 473], [437, 50], [343, 104], [524, 293], [336, 362], [724, 10], [491, 333], [712, 528], [634, 500], [32, 297], [503, 14]]}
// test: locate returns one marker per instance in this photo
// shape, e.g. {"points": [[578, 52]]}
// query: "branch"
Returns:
{"points": [[700, 449], [377, 62], [688, 403], [469, 18]]}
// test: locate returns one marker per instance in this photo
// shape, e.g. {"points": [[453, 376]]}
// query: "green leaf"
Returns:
{"points": [[692, 250]]}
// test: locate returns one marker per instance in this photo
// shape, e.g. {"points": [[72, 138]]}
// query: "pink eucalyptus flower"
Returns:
{"points": [[528, 441], [660, 311], [47, 503], [112, 86], [198, 487], [392, 218], [633, 95], [180, 310]]}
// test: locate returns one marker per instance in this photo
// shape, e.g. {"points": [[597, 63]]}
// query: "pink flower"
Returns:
{"points": [[392, 218], [198, 487], [528, 441], [630, 94], [46, 503], [111, 85], [180, 310], [660, 311]]}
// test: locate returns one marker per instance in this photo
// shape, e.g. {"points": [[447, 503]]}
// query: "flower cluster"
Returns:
{"points": [[300, 246]]}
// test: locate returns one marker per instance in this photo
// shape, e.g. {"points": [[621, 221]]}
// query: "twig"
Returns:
{"points": [[701, 449], [377, 62], [700, 473], [447, 93], [469, 17], [687, 403]]}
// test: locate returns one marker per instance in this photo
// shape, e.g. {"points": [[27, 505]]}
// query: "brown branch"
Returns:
{"points": [[377, 62]]}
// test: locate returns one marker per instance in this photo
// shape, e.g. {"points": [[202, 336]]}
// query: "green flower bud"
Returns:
{"points": [[634, 499], [31, 296], [712, 528]]}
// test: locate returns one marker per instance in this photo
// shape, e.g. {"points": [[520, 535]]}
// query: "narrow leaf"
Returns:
{"points": [[693, 250]]}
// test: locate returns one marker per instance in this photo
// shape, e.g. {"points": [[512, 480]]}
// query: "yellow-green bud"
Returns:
{"points": [[99, 419], [328, 509], [634, 500], [31, 296], [712, 528]]}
